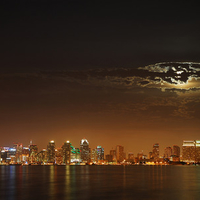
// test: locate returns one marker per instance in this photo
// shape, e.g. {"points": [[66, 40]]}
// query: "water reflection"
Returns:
{"points": [[157, 177], [99, 182], [12, 182], [67, 181], [51, 182]]}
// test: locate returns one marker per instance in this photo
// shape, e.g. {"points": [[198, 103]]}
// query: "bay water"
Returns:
{"points": [[99, 182]]}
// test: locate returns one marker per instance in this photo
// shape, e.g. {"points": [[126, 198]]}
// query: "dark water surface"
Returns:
{"points": [[99, 182]]}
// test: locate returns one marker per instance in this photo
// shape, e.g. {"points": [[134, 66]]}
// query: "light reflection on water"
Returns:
{"points": [[99, 182]]}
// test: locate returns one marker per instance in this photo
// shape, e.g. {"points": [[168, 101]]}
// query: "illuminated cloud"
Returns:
{"points": [[178, 76]]}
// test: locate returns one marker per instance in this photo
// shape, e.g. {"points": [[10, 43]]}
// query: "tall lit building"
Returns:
{"points": [[113, 154], [191, 151], [51, 152], [59, 156], [3, 156], [198, 151], [18, 152], [84, 150], [66, 152], [155, 152], [42, 156], [77, 155], [100, 153], [168, 152], [176, 150], [25, 154], [94, 155], [33, 150], [119, 153]]}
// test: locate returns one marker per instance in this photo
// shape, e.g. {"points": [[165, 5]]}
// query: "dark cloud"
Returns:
{"points": [[161, 75]]}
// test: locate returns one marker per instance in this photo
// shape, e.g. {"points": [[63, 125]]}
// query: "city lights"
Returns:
{"points": [[85, 155]]}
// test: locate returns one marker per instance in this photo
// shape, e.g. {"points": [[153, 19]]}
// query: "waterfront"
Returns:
{"points": [[99, 182]]}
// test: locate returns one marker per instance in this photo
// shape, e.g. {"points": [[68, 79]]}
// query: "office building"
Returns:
{"points": [[25, 154], [167, 152], [176, 150], [84, 150], [33, 150], [100, 153], [66, 152], [155, 152], [191, 151], [119, 153], [113, 154], [18, 152], [94, 156], [51, 152]]}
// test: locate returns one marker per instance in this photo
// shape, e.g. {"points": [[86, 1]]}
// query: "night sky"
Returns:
{"points": [[114, 73]]}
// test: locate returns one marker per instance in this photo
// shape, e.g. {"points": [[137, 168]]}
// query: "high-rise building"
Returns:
{"points": [[78, 155], [119, 153], [198, 151], [191, 151], [84, 150], [100, 153], [155, 151], [168, 152], [51, 152], [18, 152], [67, 152], [59, 156], [74, 155], [94, 155], [113, 154], [33, 150], [42, 156], [25, 154], [176, 150]]}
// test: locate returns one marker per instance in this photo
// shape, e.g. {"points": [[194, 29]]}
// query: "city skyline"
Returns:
{"points": [[67, 154], [117, 73], [153, 149]]}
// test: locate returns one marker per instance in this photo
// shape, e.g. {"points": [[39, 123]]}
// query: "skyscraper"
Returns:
{"points": [[42, 156], [51, 152], [155, 151], [94, 155], [33, 150], [25, 154], [176, 150], [168, 152], [59, 156], [198, 151], [191, 150], [100, 153], [66, 152], [113, 154], [120, 153], [18, 152], [84, 150]]}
